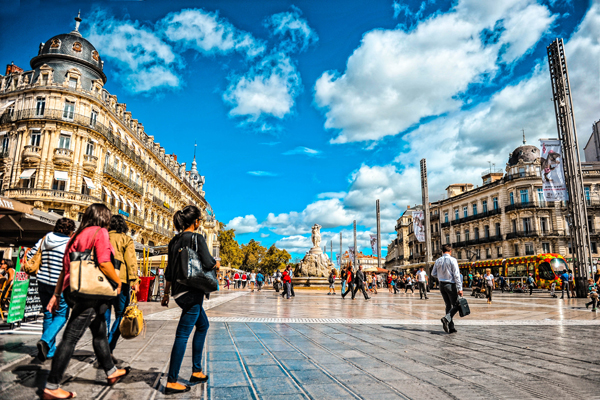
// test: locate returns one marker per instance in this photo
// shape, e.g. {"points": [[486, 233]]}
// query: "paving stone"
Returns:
{"points": [[231, 393], [227, 379], [311, 376]]}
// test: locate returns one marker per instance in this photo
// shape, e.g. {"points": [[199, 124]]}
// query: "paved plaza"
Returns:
{"points": [[316, 346]]}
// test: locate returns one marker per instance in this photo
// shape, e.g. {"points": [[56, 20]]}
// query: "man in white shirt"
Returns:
{"points": [[422, 281], [446, 271]]}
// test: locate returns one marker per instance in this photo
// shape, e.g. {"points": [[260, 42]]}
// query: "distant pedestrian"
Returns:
{"points": [[236, 280], [359, 283], [422, 281], [252, 280], [227, 281], [244, 280], [343, 274], [349, 282], [490, 284], [593, 297], [390, 283], [375, 282], [52, 247], [260, 280], [470, 279], [502, 283], [446, 271], [409, 285], [331, 281], [530, 283], [572, 284], [287, 282], [565, 284], [189, 299]]}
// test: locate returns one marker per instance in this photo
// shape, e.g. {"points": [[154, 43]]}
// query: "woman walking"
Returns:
{"points": [[189, 299], [52, 247], [331, 279], [124, 254], [490, 284], [86, 313]]}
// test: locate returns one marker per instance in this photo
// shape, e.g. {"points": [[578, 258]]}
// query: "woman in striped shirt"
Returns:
{"points": [[52, 247]]}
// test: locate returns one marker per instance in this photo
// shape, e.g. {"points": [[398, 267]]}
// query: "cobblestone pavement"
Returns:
{"points": [[316, 346]]}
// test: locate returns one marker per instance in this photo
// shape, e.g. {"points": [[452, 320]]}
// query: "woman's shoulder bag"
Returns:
{"points": [[32, 266], [191, 271], [87, 281]]}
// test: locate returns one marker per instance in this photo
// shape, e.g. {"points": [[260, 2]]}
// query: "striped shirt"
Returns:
{"points": [[53, 250]]}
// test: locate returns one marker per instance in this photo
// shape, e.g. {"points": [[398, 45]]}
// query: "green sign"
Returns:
{"points": [[18, 298]]}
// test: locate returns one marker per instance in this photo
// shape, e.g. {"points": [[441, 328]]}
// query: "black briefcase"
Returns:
{"points": [[463, 307]]}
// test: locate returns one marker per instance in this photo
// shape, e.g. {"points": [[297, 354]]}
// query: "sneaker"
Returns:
{"points": [[446, 323]]}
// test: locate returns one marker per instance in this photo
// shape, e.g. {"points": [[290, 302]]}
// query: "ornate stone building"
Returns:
{"points": [[398, 249], [506, 216], [66, 142]]}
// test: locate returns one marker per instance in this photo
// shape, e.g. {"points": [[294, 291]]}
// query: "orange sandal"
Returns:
{"points": [[112, 381]]}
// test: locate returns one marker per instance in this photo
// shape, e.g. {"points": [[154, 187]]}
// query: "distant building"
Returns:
{"points": [[592, 148]]}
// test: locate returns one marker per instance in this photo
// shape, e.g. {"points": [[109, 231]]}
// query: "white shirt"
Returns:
{"points": [[422, 276], [446, 270], [253, 277], [489, 279]]}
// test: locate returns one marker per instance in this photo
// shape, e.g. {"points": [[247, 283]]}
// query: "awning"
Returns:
{"points": [[107, 192], [89, 183], [10, 206], [130, 203], [61, 175], [138, 207], [68, 133], [115, 195], [122, 199], [26, 174], [26, 228], [5, 106]]}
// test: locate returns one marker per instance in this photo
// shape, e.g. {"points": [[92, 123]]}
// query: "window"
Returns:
{"points": [[528, 249], [93, 118], [116, 163], [447, 239], [10, 110], [73, 83], [587, 195], [457, 237], [58, 185], [478, 253], [590, 219], [545, 247], [467, 235], [527, 225], [524, 196], [486, 230], [57, 211], [495, 200], [540, 194], [512, 198], [544, 224], [476, 231], [89, 148], [475, 209], [488, 253], [546, 271], [40, 106], [514, 225], [106, 158], [594, 247], [123, 168], [465, 211], [5, 143], [484, 206], [456, 215], [498, 233], [521, 171], [499, 251], [36, 137], [29, 182], [446, 217], [44, 81], [516, 250], [459, 255], [69, 110], [64, 141]]}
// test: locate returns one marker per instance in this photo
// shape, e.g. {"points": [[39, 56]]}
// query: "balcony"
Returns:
{"points": [[31, 154], [520, 206], [163, 231], [90, 163], [471, 218], [434, 217], [159, 202], [525, 233], [119, 177], [50, 195], [519, 175], [63, 157]]}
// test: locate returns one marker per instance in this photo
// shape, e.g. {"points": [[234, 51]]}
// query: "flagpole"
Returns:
{"points": [[355, 250], [341, 254], [378, 236]]}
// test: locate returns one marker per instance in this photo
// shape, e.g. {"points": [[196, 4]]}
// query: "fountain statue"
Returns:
{"points": [[315, 263]]}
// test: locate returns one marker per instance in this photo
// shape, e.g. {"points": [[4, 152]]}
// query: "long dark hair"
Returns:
{"points": [[184, 218], [96, 214], [118, 224]]}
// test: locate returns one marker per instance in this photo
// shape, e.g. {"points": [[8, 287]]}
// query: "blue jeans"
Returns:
{"points": [[192, 314], [52, 323], [120, 303], [343, 286]]}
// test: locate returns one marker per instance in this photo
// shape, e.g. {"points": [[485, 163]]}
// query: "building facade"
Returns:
{"points": [[66, 142]]}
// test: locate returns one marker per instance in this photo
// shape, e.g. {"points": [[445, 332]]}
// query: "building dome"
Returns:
{"points": [[525, 153], [73, 51]]}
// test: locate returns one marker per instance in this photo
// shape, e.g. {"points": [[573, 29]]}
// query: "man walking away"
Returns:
{"points": [[287, 281], [502, 283], [236, 280], [260, 279], [422, 280], [349, 282], [409, 285], [530, 283], [446, 271], [565, 284], [360, 283], [244, 280]]}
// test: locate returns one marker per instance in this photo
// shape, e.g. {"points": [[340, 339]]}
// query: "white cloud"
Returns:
{"points": [[267, 91], [262, 173], [303, 150], [294, 31], [331, 195], [294, 244], [207, 33], [247, 224], [264, 235], [395, 78], [142, 59]]}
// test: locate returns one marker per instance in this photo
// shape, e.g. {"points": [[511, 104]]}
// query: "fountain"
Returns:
{"points": [[315, 267]]}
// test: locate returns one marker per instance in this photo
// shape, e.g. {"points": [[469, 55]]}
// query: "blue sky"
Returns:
{"points": [[307, 112]]}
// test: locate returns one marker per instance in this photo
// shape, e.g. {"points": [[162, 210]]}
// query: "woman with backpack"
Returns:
{"points": [[52, 249], [86, 313], [124, 255], [189, 299]]}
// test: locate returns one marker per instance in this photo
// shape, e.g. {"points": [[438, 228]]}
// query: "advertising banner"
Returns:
{"points": [[351, 253], [18, 298], [374, 245], [419, 225], [552, 171], [33, 305]]}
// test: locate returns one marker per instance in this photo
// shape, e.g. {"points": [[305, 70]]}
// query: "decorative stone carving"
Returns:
{"points": [[315, 262], [95, 55], [77, 47], [55, 43], [316, 235]]}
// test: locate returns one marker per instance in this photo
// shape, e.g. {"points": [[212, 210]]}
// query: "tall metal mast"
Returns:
{"points": [[425, 198], [567, 132]]}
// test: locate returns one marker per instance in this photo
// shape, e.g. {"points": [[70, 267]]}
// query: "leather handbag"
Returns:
{"points": [[32, 266], [191, 272], [132, 323], [463, 307], [87, 281]]}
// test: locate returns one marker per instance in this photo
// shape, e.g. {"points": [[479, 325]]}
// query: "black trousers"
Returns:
{"points": [[411, 287], [422, 289], [565, 286], [450, 295], [488, 292], [360, 286], [594, 303], [349, 288]]}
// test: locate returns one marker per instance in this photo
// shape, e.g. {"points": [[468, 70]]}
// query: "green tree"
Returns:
{"points": [[253, 254], [230, 252], [275, 259]]}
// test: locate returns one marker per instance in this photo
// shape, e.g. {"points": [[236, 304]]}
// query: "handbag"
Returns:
{"points": [[32, 266], [463, 307], [132, 323], [192, 273], [87, 280]]}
